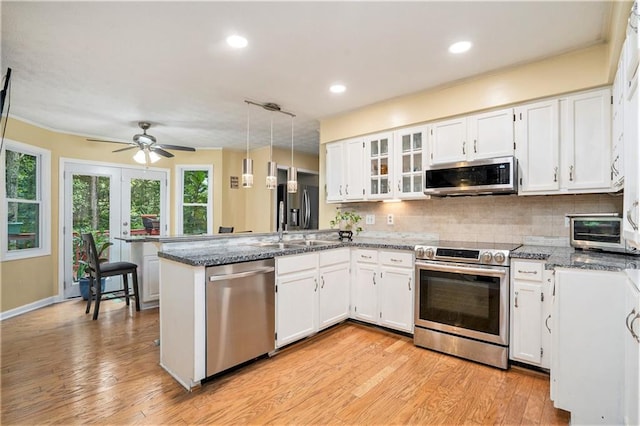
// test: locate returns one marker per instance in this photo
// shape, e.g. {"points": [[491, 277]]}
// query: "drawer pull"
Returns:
{"points": [[527, 272], [396, 260], [365, 257]]}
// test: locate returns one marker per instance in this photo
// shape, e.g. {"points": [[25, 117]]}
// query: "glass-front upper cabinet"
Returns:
{"points": [[410, 154], [380, 167]]}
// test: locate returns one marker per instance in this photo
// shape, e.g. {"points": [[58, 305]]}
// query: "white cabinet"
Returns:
{"points": [[631, 201], [344, 166], [335, 279], [585, 130], [296, 297], [617, 127], [410, 152], [312, 293], [380, 166], [473, 137], [587, 375], [632, 353], [538, 147], [563, 145], [530, 316], [145, 255], [383, 288]]}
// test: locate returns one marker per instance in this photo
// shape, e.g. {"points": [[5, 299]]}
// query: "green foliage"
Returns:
{"points": [[346, 220]]}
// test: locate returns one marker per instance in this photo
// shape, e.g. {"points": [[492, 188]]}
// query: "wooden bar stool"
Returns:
{"points": [[98, 270]]}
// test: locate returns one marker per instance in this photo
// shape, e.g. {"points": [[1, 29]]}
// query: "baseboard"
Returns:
{"points": [[28, 307]]}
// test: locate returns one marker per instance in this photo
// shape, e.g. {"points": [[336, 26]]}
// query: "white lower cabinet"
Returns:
{"points": [[530, 313], [383, 288], [632, 353], [587, 370], [145, 255], [312, 293]]}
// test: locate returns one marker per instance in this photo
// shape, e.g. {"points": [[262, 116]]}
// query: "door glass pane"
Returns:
{"points": [[145, 207], [406, 184], [417, 141], [417, 183], [384, 186], [406, 163], [374, 167], [374, 148], [384, 168], [384, 146], [417, 163], [406, 143], [374, 186], [90, 196]]}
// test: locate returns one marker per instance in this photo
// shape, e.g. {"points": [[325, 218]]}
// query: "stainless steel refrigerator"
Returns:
{"points": [[301, 208]]}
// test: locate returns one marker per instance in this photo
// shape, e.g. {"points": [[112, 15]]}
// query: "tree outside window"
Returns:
{"points": [[195, 201], [24, 205]]}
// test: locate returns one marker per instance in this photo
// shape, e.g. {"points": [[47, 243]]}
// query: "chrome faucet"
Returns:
{"points": [[281, 221]]}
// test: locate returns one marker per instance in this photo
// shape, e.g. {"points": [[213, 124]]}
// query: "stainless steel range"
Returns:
{"points": [[462, 300]]}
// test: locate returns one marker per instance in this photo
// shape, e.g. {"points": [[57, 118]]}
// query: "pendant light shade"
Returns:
{"points": [[292, 173], [272, 167], [247, 163]]}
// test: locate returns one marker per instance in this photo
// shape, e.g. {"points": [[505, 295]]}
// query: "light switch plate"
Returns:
{"points": [[389, 219], [370, 219]]}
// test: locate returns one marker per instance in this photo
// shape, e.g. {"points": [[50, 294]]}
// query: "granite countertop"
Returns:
{"points": [[223, 252], [568, 257]]}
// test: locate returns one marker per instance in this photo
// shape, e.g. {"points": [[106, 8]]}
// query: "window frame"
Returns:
{"points": [[43, 191], [180, 171]]}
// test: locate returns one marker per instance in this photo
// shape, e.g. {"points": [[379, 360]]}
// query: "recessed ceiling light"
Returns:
{"points": [[337, 88], [237, 41], [460, 47]]}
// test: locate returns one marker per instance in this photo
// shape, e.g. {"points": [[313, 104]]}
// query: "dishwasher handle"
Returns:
{"points": [[237, 275]]}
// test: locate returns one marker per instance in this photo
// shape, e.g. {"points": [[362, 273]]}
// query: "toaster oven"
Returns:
{"points": [[600, 231]]}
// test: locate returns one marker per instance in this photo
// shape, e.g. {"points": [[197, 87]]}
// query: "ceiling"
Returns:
{"points": [[97, 68]]}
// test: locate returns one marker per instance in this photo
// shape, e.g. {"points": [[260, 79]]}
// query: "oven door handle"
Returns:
{"points": [[462, 270]]}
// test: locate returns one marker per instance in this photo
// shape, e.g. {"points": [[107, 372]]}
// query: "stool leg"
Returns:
{"points": [[90, 296], [135, 288], [98, 287], [125, 279]]}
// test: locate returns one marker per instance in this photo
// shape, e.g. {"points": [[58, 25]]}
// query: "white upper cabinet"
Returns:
{"points": [[563, 145], [538, 147], [631, 207], [586, 141], [410, 152], [617, 127], [380, 167], [474, 137], [344, 166]]}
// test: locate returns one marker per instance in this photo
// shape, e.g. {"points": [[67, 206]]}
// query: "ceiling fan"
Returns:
{"points": [[149, 150]]}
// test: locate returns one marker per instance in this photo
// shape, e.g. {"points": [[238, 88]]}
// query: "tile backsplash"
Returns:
{"points": [[495, 218]]}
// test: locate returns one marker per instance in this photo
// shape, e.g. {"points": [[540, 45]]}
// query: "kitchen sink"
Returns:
{"points": [[276, 245], [314, 243]]}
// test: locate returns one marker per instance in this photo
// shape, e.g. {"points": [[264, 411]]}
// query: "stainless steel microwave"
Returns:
{"points": [[488, 176], [601, 231]]}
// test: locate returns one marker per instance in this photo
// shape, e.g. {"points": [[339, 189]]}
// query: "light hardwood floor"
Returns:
{"points": [[59, 366]]}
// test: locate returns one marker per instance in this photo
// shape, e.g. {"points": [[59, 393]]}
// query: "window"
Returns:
{"points": [[195, 198], [26, 210]]}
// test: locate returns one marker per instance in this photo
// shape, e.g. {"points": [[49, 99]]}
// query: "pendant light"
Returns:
{"points": [[292, 173], [247, 163], [272, 166]]}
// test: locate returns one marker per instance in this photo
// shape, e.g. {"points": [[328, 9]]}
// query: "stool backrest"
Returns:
{"points": [[91, 254]]}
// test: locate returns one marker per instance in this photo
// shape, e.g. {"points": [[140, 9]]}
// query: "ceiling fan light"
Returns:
{"points": [[153, 157], [139, 157]]}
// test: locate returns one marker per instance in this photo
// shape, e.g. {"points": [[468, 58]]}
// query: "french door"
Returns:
{"points": [[111, 202]]}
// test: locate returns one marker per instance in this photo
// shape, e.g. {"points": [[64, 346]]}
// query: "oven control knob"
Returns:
{"points": [[500, 257], [486, 257], [428, 253], [420, 252]]}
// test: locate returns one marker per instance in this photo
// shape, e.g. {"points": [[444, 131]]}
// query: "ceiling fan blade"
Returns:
{"points": [[161, 152], [126, 148], [105, 141], [176, 147]]}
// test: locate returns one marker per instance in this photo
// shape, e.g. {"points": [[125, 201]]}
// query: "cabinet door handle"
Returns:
{"points": [[571, 173], [555, 174], [315, 280], [546, 323], [409, 283], [346, 189], [399, 187], [633, 333], [374, 278], [340, 190], [464, 145], [516, 304], [322, 278], [629, 216], [475, 146]]}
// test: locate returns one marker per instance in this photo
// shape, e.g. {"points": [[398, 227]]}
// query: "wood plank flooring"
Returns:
{"points": [[59, 366]]}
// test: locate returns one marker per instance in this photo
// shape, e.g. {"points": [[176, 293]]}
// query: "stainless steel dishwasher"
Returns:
{"points": [[240, 313]]}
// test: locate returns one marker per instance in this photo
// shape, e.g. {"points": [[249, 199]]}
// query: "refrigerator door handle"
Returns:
{"points": [[305, 209]]}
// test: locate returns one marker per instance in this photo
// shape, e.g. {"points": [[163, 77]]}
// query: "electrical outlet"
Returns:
{"points": [[389, 219], [370, 219]]}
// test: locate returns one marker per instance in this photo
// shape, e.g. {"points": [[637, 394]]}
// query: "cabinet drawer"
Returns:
{"points": [[396, 258], [334, 256], [530, 271], [288, 264], [366, 256]]}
